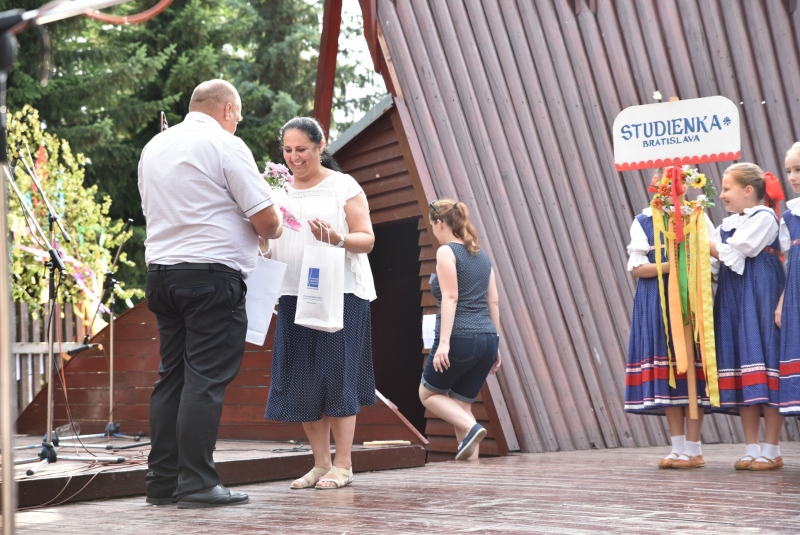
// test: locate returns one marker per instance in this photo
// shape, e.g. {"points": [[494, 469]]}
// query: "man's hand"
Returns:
{"points": [[268, 222]]}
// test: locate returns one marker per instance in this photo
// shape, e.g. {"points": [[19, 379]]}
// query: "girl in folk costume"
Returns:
{"points": [[649, 366], [787, 315], [750, 282]]}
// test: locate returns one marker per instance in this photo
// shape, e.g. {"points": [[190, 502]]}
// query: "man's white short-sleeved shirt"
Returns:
{"points": [[199, 185]]}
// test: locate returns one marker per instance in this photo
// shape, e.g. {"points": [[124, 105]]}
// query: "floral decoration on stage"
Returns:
{"points": [[279, 178], [688, 310]]}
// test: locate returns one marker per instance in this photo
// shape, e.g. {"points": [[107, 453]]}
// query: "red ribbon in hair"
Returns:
{"points": [[675, 174], [774, 191]]}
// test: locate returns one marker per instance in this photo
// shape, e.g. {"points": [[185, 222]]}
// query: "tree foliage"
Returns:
{"points": [[109, 83], [93, 233]]}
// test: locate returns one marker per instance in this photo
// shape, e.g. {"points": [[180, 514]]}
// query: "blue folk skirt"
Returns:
{"points": [[748, 341], [315, 373], [647, 389]]}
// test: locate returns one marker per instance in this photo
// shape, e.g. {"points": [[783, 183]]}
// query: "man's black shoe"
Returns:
{"points": [[161, 501], [218, 496]]}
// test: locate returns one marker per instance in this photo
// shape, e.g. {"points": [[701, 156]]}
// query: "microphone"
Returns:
{"points": [[9, 19], [82, 348]]}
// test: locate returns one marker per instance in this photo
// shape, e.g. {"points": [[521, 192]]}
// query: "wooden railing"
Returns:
{"points": [[30, 351]]}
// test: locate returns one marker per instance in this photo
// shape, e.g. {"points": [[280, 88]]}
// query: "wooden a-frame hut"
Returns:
{"points": [[507, 105]]}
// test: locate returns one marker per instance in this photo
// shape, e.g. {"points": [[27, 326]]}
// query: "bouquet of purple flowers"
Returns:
{"points": [[278, 177]]}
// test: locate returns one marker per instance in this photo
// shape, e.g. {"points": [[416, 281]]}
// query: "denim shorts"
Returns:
{"points": [[471, 359]]}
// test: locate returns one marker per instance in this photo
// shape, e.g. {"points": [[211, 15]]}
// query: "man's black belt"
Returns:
{"points": [[191, 266]]}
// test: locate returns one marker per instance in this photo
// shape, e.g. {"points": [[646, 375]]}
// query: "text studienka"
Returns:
{"points": [[682, 130]]}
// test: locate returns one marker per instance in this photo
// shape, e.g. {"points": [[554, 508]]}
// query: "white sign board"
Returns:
{"points": [[698, 130]]}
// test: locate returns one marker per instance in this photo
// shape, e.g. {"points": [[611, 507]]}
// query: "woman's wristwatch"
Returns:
{"points": [[341, 242]]}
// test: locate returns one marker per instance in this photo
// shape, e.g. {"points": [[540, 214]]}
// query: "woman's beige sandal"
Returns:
{"points": [[767, 463], [310, 479], [744, 463], [340, 477]]}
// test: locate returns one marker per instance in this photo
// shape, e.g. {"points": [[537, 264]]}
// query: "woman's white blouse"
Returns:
{"points": [[752, 235], [325, 201], [639, 246]]}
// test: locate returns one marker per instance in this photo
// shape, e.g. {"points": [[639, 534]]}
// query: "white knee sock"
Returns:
{"points": [[770, 451], [753, 450], [692, 449], [678, 445]]}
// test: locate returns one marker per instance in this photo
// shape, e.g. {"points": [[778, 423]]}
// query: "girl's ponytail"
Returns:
{"points": [[456, 216]]}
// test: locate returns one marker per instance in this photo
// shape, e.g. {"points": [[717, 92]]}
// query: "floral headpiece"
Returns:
{"points": [[668, 190]]}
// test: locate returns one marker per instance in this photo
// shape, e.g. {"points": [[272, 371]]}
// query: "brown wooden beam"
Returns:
{"points": [[326, 66], [369, 14], [387, 67]]}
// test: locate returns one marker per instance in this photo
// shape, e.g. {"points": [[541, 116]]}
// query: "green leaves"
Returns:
{"points": [[110, 83], [83, 214]]}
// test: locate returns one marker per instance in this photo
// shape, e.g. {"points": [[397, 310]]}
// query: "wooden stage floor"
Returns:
{"points": [[611, 491], [238, 462]]}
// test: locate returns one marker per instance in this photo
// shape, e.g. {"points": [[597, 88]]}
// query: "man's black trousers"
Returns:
{"points": [[202, 323]]}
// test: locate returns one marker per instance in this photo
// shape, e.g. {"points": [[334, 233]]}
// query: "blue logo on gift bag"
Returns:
{"points": [[313, 278]]}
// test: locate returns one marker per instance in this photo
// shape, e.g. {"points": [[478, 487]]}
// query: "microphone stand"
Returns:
{"points": [[12, 22], [48, 453], [8, 500], [112, 428]]}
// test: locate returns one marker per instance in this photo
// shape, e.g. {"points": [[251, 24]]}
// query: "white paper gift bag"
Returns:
{"points": [[320, 295], [263, 289]]}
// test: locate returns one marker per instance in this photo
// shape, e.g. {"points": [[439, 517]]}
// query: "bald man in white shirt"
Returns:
{"points": [[205, 204]]}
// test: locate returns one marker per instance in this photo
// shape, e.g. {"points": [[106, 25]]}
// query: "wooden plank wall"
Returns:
{"points": [[513, 103], [376, 160], [136, 370]]}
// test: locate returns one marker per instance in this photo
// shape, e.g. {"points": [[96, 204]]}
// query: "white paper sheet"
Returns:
{"points": [[263, 288], [428, 330]]}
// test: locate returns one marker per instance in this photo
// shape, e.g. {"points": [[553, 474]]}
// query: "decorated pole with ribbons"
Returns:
{"points": [[671, 135], [687, 304]]}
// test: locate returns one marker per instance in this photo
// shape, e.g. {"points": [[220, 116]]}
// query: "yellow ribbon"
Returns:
{"points": [[704, 315], [658, 232]]}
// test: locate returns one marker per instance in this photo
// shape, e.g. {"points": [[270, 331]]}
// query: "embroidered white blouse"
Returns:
{"points": [[640, 243], [326, 201], [792, 206], [752, 235]]}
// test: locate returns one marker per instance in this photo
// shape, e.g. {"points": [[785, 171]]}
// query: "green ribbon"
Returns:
{"points": [[683, 281]]}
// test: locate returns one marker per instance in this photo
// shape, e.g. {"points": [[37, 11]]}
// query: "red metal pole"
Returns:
{"points": [[326, 68]]}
